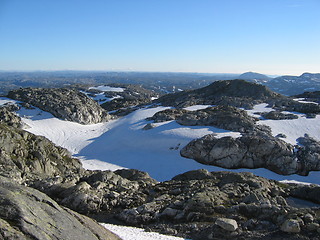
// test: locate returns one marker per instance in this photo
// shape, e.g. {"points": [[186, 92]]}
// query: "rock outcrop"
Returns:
{"points": [[223, 205], [63, 103], [96, 192], [256, 151], [276, 115], [26, 213], [225, 117], [7, 116], [132, 97], [25, 156]]}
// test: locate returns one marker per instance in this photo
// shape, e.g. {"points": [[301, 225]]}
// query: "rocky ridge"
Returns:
{"points": [[64, 103]]}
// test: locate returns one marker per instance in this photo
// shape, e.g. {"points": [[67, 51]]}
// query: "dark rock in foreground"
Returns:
{"points": [[256, 151], [225, 205], [26, 213], [63, 103]]}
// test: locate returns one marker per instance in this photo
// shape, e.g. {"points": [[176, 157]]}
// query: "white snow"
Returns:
{"points": [[105, 88], [4, 100], [302, 100], [132, 233], [101, 98], [197, 107], [70, 135], [293, 128]]}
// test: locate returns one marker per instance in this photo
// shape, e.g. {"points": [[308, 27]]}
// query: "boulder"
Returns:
{"points": [[256, 151], [277, 115], [227, 224], [291, 226]]}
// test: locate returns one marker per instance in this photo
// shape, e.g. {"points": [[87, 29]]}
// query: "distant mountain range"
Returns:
{"points": [[161, 82], [287, 85]]}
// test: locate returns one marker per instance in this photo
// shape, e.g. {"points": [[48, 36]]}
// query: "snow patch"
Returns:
{"points": [[132, 233], [4, 100], [197, 107], [105, 88]]}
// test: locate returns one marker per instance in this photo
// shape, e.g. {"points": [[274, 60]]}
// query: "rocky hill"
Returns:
{"points": [[63, 103], [238, 93]]}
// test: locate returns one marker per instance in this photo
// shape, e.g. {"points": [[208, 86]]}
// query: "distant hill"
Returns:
{"points": [[293, 85], [254, 76], [239, 93]]}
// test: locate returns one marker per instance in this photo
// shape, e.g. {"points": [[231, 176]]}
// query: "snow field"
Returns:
{"points": [[123, 144]]}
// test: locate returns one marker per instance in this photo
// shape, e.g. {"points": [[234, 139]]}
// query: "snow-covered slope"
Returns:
{"points": [[293, 128], [124, 143]]}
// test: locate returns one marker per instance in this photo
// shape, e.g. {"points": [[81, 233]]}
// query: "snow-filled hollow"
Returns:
{"points": [[123, 143]]}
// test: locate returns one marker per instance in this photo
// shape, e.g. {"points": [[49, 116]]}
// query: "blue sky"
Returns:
{"points": [[219, 36]]}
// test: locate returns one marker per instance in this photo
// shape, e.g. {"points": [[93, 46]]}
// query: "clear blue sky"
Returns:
{"points": [[221, 36]]}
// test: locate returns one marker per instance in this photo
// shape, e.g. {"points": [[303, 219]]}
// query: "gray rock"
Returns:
{"points": [[227, 224], [225, 117], [277, 115], [148, 126], [25, 156], [25, 213], [256, 151], [167, 115], [291, 226], [7, 116], [63, 103], [248, 151]]}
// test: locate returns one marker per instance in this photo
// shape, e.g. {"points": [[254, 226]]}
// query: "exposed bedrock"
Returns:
{"points": [[63, 103], [256, 151]]}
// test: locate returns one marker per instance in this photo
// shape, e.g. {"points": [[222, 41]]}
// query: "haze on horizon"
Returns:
{"points": [[278, 37]]}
